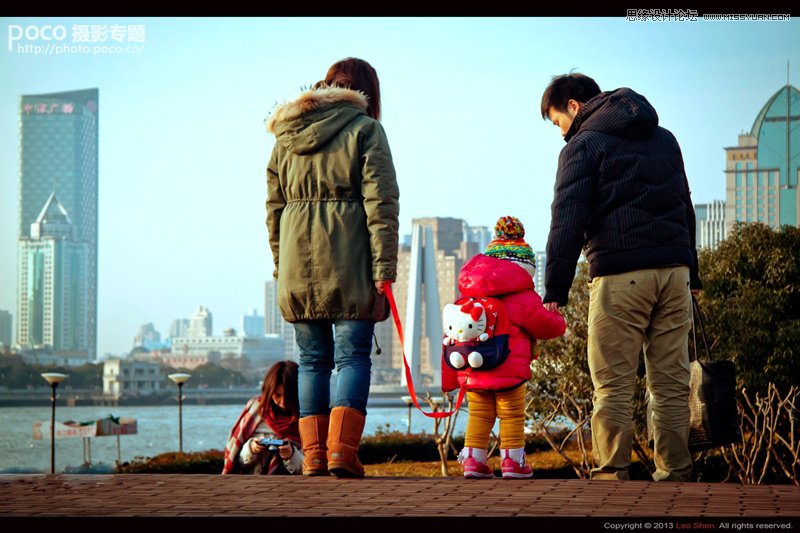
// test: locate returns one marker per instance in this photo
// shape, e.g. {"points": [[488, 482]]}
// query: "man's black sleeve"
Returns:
{"points": [[570, 214]]}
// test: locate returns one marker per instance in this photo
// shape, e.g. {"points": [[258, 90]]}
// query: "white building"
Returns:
{"points": [[179, 328], [274, 324], [200, 325], [132, 378], [272, 314], [710, 224], [53, 295], [538, 279], [190, 352]]}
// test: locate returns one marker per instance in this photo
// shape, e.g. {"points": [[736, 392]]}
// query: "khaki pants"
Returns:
{"points": [[484, 407], [646, 309]]}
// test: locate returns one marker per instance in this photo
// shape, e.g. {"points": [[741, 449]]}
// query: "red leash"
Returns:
{"points": [[388, 290]]}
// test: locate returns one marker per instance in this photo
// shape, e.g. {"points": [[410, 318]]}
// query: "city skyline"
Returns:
{"points": [[183, 148]]}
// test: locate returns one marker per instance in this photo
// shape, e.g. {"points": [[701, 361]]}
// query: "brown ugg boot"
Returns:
{"points": [[344, 434], [314, 435]]}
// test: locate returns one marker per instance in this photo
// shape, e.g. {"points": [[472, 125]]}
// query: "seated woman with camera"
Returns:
{"points": [[266, 437]]}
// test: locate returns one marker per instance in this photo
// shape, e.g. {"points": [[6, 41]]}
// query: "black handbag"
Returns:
{"points": [[713, 418]]}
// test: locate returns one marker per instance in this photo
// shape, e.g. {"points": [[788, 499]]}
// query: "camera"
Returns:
{"points": [[272, 444]]}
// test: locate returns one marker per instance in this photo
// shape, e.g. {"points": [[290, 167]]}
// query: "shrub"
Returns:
{"points": [[207, 462], [380, 448]]}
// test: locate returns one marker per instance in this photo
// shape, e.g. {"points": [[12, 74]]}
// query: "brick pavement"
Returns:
{"points": [[277, 496]]}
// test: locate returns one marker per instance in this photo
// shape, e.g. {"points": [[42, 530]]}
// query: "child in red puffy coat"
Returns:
{"points": [[503, 271]]}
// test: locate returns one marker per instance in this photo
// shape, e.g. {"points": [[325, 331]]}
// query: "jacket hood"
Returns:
{"points": [[308, 123], [621, 112], [489, 276]]}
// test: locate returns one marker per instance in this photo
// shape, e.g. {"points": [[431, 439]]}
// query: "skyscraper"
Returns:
{"points": [[201, 323], [272, 313], [53, 292], [480, 235], [448, 233], [58, 155], [178, 328], [442, 246], [252, 324], [274, 324], [710, 226], [5, 327], [538, 280], [147, 336], [762, 171]]}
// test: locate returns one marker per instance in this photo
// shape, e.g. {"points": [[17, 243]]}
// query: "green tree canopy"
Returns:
{"points": [[16, 374], [212, 375], [751, 304]]}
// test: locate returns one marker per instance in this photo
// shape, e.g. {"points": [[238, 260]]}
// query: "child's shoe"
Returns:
{"points": [[514, 465], [473, 467]]}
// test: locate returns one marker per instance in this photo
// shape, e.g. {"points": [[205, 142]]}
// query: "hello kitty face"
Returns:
{"points": [[464, 322]]}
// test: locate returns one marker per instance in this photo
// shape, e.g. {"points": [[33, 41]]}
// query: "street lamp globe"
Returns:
{"points": [[179, 378], [54, 377]]}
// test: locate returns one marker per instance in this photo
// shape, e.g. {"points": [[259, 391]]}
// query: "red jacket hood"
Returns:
{"points": [[488, 276]]}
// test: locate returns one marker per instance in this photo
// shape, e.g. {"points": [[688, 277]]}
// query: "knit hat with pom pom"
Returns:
{"points": [[510, 244]]}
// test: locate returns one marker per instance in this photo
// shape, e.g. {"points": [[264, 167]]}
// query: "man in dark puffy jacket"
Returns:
{"points": [[622, 195]]}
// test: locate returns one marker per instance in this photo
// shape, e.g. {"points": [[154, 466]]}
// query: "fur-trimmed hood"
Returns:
{"points": [[307, 123]]}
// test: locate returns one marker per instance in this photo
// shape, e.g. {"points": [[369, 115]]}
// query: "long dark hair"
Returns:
{"points": [[357, 74], [282, 373]]}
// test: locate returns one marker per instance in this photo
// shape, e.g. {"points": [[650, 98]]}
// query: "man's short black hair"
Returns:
{"points": [[562, 89]]}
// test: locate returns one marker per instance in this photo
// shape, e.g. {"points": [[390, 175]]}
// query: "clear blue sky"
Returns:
{"points": [[183, 146]]}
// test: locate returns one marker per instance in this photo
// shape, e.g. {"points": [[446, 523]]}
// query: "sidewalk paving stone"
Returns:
{"points": [[200, 495]]}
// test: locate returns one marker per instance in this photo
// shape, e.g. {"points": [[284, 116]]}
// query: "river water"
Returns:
{"points": [[204, 427]]}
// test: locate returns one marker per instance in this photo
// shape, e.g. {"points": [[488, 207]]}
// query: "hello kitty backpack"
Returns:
{"points": [[475, 338]]}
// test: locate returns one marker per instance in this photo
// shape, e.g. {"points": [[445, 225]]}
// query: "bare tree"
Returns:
{"points": [[769, 437], [578, 413], [444, 437]]}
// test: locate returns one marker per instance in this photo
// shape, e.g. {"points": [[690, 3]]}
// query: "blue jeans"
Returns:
{"points": [[347, 344]]}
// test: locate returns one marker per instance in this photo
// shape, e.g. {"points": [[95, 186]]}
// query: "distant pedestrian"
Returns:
{"points": [[272, 416], [332, 215], [621, 193], [496, 388]]}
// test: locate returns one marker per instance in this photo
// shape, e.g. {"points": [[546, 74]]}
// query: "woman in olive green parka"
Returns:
{"points": [[332, 215]]}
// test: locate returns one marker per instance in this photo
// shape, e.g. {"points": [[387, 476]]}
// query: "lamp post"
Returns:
{"points": [[409, 403], [180, 379], [53, 378]]}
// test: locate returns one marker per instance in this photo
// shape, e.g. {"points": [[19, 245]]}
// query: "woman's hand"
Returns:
{"points": [[286, 451], [255, 446], [381, 284]]}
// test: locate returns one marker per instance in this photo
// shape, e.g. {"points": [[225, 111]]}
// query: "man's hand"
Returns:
{"points": [[552, 307]]}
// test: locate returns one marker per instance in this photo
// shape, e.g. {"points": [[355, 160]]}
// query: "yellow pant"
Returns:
{"points": [[485, 406]]}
